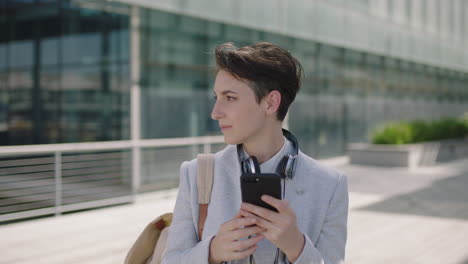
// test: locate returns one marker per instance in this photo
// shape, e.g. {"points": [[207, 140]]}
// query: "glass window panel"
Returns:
{"points": [[83, 48], [277, 39], [119, 76], [158, 20], [82, 97], [239, 35], [193, 26], [51, 93], [50, 24], [214, 29], [119, 45], [156, 104], [330, 67], [305, 52], [49, 51], [81, 78], [353, 72], [21, 53], [120, 98], [125, 42], [3, 109], [3, 56], [374, 73], [42, 99], [20, 125], [353, 57]]}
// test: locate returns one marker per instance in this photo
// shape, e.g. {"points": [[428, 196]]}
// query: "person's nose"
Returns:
{"points": [[217, 113]]}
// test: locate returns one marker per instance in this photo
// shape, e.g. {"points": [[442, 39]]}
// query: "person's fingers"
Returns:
{"points": [[281, 205], [236, 223], [245, 232], [262, 212], [264, 224], [242, 245], [246, 213], [243, 254]]}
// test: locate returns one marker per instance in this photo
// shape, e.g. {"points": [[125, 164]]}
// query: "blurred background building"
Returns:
{"points": [[100, 100]]}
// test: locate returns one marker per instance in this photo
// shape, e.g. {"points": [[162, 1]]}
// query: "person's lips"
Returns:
{"points": [[223, 128]]}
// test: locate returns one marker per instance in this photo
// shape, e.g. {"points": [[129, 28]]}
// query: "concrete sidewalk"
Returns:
{"points": [[396, 216]]}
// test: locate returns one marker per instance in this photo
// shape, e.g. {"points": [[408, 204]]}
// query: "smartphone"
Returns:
{"points": [[253, 186]]}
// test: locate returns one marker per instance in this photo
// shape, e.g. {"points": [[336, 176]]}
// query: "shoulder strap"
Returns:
{"points": [[204, 185]]}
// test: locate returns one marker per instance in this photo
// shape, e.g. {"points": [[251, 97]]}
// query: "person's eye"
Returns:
{"points": [[230, 98], [215, 97]]}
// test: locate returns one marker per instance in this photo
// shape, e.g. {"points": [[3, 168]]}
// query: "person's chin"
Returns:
{"points": [[230, 140]]}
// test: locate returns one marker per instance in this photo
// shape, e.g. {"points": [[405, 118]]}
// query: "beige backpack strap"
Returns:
{"points": [[204, 185]]}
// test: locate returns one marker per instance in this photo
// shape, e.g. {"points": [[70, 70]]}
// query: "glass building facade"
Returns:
{"points": [[64, 73], [344, 95], [65, 77]]}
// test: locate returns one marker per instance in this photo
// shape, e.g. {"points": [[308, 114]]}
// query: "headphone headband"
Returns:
{"points": [[286, 166]]}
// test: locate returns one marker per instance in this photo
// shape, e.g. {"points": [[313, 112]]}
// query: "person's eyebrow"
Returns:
{"points": [[226, 92]]}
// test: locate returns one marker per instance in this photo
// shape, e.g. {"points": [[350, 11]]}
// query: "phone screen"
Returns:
{"points": [[253, 186]]}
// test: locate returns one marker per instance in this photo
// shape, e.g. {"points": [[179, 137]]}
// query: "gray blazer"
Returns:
{"points": [[317, 194]]}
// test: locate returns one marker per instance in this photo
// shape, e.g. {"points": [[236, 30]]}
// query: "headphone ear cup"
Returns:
{"points": [[290, 166], [281, 169]]}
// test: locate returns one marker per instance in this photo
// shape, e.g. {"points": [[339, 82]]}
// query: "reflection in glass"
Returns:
{"points": [[64, 74]]}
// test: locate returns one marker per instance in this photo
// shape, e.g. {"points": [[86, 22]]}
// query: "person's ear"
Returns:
{"points": [[273, 101]]}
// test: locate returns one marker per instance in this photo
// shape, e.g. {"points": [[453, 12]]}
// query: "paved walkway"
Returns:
{"points": [[396, 216]]}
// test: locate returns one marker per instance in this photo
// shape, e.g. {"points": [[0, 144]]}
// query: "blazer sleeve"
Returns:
{"points": [[330, 247], [182, 243]]}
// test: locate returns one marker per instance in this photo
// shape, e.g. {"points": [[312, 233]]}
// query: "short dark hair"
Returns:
{"points": [[266, 67]]}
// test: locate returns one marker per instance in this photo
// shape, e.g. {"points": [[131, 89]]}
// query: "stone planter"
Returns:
{"points": [[410, 155]]}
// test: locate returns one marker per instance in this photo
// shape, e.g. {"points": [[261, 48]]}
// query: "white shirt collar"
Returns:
{"points": [[271, 164]]}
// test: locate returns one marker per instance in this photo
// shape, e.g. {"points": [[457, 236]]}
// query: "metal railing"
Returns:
{"points": [[52, 179]]}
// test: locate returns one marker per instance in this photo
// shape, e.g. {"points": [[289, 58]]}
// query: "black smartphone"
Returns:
{"points": [[253, 186]]}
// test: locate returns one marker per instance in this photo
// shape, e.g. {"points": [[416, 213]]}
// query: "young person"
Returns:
{"points": [[254, 88]]}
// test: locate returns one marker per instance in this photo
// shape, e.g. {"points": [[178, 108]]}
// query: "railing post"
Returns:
{"points": [[58, 183], [136, 170], [135, 102], [207, 148]]}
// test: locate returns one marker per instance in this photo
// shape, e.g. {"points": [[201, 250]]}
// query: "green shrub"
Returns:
{"points": [[464, 119], [421, 131], [397, 133]]}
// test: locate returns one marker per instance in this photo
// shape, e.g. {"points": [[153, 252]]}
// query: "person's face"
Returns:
{"points": [[239, 115]]}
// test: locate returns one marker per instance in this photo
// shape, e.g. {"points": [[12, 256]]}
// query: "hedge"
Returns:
{"points": [[421, 131]]}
